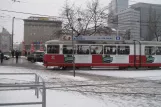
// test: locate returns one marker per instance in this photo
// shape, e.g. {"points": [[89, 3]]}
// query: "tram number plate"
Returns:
{"points": [[52, 57]]}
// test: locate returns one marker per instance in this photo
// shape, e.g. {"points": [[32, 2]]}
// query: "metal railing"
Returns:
{"points": [[38, 85]]}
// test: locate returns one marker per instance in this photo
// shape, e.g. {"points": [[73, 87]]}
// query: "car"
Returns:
{"points": [[6, 57], [36, 56]]}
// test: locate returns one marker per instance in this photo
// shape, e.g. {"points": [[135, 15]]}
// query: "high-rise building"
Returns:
{"points": [[41, 29], [115, 7], [5, 41], [150, 20], [129, 20]]}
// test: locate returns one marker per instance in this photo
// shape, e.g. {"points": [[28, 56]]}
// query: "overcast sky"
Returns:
{"points": [[44, 7]]}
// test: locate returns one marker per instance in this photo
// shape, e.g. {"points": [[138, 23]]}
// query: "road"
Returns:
{"points": [[142, 93]]}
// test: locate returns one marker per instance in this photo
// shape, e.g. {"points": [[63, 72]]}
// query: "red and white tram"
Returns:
{"points": [[123, 55]]}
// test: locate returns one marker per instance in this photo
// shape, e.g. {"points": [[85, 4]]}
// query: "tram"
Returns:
{"points": [[135, 54]]}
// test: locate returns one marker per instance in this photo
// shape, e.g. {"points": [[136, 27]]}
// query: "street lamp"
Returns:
{"points": [[73, 56], [12, 30]]}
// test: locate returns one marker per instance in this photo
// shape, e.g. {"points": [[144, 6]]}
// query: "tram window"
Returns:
{"points": [[149, 50], [110, 50], [123, 50], [158, 50], [68, 49], [53, 49], [83, 49], [96, 49]]}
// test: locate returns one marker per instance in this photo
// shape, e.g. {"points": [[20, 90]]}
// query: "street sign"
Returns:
{"points": [[118, 38], [97, 38]]}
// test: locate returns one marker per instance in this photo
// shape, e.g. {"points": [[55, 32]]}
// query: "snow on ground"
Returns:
{"points": [[54, 99], [42, 73], [141, 74], [39, 63], [102, 92]]}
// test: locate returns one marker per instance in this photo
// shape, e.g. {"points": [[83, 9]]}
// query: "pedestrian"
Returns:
{"points": [[2, 57], [25, 53], [0, 54], [17, 55], [12, 52]]}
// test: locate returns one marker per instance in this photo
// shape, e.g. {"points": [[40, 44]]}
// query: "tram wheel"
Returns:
{"points": [[122, 68], [153, 68], [77, 67]]}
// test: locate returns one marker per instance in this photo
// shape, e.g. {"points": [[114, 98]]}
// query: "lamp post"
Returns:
{"points": [[73, 56], [12, 30]]}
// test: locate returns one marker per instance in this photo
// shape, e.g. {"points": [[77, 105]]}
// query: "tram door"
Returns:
{"points": [[137, 54]]}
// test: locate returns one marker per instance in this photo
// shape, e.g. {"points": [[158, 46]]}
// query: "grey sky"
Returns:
{"points": [[47, 7]]}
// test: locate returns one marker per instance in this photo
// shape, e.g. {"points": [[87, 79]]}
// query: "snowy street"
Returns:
{"points": [[90, 88]]}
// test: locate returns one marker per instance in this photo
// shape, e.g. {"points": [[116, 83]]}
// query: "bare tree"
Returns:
{"points": [[154, 24], [82, 20]]}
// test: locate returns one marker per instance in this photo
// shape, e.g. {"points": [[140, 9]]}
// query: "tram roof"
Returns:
{"points": [[103, 42], [145, 42], [58, 42]]}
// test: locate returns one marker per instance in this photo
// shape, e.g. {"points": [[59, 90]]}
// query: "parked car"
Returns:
{"points": [[6, 57], [36, 56]]}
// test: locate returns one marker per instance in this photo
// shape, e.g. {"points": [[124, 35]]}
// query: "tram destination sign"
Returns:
{"points": [[97, 38]]}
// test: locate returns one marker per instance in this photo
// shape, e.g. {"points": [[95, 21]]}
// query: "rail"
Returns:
{"points": [[38, 86]]}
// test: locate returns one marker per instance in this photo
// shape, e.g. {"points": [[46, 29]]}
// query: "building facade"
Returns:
{"points": [[129, 20], [115, 7], [40, 29], [150, 20], [5, 41]]}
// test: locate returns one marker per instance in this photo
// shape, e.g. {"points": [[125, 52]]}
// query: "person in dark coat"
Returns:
{"points": [[2, 57], [25, 53], [17, 55], [12, 52]]}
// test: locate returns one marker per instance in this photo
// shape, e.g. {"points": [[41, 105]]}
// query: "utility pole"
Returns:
{"points": [[73, 56], [12, 30]]}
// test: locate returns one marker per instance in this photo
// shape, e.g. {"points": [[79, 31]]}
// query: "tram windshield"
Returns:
{"points": [[53, 49]]}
